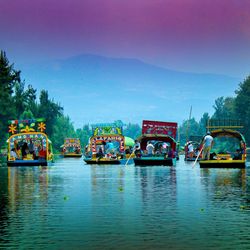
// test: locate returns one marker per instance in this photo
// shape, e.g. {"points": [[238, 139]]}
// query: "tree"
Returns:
{"points": [[49, 110], [8, 78], [132, 130], [224, 108], [242, 105], [187, 129], [203, 123], [63, 128], [30, 95], [27, 114], [219, 108], [19, 98], [84, 134]]}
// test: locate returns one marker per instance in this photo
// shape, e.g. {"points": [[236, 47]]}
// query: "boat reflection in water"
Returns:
{"points": [[77, 206], [26, 185], [224, 183]]}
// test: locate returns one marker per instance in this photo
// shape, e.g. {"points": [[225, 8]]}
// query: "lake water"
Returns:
{"points": [[70, 205]]}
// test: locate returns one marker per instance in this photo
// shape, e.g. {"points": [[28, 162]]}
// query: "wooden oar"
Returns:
{"points": [[198, 156], [129, 158]]}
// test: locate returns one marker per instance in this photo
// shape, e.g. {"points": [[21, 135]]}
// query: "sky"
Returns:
{"points": [[200, 36], [187, 35]]}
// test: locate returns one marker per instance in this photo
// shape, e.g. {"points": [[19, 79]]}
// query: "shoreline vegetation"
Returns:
{"points": [[21, 101]]}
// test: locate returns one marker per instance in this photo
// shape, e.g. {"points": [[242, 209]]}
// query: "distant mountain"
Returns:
{"points": [[98, 89]]}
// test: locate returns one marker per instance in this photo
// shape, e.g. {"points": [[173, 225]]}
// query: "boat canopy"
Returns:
{"points": [[103, 139], [228, 133]]}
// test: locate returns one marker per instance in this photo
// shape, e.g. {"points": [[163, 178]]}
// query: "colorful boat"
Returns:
{"points": [[28, 144], [107, 145], [71, 148], [229, 150], [162, 136], [196, 142]]}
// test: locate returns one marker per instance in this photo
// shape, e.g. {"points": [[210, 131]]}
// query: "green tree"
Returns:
{"points": [[203, 123], [132, 130], [84, 134], [219, 108], [19, 98], [188, 128], [8, 78], [30, 95], [224, 108], [27, 114], [63, 128], [229, 108], [49, 110], [242, 106]]}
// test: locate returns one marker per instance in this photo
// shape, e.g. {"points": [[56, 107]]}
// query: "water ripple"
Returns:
{"points": [[76, 206]]}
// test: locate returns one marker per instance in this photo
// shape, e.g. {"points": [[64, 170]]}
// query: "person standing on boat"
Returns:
{"points": [[208, 142], [190, 150]]}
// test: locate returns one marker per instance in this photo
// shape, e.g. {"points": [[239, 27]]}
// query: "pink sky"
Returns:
{"points": [[186, 35]]}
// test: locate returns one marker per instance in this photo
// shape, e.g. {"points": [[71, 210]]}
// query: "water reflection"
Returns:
{"points": [[225, 177], [77, 206], [156, 181], [227, 185], [26, 185], [4, 213]]}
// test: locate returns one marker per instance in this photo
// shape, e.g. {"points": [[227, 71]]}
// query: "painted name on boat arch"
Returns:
{"points": [[94, 140], [28, 136]]}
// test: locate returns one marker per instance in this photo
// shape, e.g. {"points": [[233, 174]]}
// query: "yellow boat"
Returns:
{"points": [[71, 148], [107, 145], [98, 154], [28, 144], [229, 150]]}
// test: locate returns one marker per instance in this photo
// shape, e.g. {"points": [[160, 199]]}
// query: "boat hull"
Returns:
{"points": [[222, 163], [103, 161], [19, 163], [191, 159], [154, 161], [72, 155]]}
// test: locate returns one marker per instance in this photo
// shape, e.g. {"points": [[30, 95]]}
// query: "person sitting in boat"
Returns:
{"points": [[171, 153], [137, 148], [196, 152], [25, 150], [164, 149], [42, 154], [112, 155], [237, 155], [150, 148], [18, 151], [100, 153], [31, 147], [103, 146], [13, 154], [242, 147], [158, 150], [77, 150]]}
